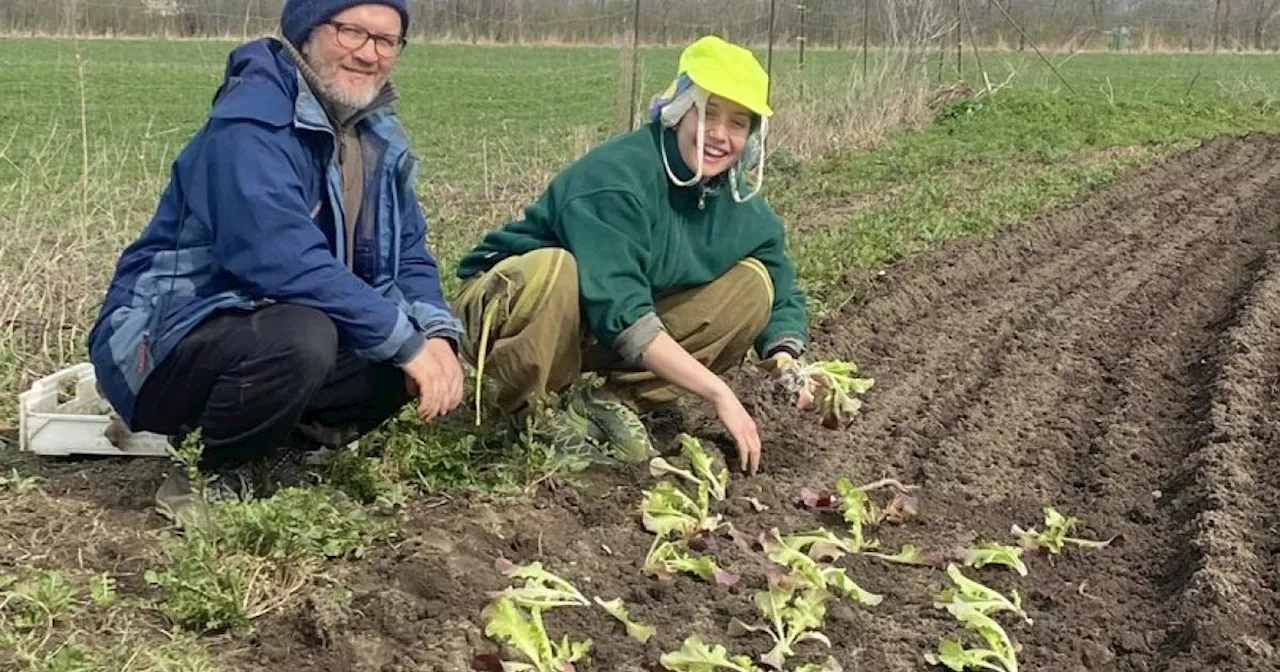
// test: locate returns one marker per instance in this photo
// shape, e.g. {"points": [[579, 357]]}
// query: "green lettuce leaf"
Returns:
{"points": [[695, 656], [983, 599], [526, 635], [907, 555], [666, 510], [637, 631], [992, 553], [541, 589], [716, 480], [953, 655]]}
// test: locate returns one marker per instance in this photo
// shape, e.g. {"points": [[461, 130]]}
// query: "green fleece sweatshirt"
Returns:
{"points": [[636, 236]]}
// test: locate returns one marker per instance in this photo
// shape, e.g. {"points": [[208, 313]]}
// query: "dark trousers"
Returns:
{"points": [[250, 379]]}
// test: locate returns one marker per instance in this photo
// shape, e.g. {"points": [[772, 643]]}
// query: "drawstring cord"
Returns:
{"points": [[487, 318], [486, 324]]}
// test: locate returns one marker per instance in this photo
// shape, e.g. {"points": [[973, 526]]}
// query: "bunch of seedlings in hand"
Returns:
{"points": [[830, 386]]}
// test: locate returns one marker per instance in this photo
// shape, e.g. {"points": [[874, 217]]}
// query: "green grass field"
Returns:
{"points": [[88, 128], [492, 124], [87, 131]]}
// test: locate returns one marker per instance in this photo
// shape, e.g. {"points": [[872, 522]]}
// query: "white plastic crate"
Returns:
{"points": [[62, 414]]}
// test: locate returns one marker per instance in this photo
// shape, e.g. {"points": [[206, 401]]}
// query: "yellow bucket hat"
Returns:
{"points": [[729, 71]]}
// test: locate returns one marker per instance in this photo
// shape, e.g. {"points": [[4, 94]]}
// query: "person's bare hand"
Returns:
{"points": [[786, 367], [434, 375], [742, 427]]}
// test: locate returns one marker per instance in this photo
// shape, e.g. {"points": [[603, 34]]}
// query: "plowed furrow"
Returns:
{"points": [[1080, 360]]}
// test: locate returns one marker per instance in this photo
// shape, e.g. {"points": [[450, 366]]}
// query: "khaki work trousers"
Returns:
{"points": [[538, 343]]}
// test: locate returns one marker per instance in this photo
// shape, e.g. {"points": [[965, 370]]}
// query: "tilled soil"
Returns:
{"points": [[1118, 359]]}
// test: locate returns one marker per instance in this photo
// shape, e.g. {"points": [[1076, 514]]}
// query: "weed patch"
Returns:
{"points": [[51, 621], [253, 557]]}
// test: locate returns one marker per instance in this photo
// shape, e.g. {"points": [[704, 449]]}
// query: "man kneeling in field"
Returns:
{"points": [[282, 298]]}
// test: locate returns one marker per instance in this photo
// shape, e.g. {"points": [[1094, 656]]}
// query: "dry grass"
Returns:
{"points": [[857, 117], [64, 221], [875, 96]]}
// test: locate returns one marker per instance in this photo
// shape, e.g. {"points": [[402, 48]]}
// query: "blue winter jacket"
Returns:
{"points": [[253, 215]]}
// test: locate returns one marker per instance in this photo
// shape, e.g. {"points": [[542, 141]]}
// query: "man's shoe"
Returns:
{"points": [[179, 500], [284, 468], [229, 485]]}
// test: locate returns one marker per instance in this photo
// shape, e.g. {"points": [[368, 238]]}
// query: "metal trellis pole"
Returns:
{"points": [[866, 33], [635, 70], [802, 40], [769, 59]]}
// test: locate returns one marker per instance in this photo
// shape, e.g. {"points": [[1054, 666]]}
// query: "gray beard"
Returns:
{"points": [[341, 105], [344, 99]]}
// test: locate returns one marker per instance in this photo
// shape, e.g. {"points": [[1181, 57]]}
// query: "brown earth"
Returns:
{"points": [[1118, 359]]}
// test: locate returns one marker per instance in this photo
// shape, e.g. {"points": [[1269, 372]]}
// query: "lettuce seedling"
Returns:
{"points": [[821, 544], [793, 614], [860, 512], [794, 606], [1054, 536], [666, 558], [703, 465], [973, 604], [1000, 648], [790, 552], [528, 635], [703, 471], [992, 553], [637, 631], [907, 555], [671, 514], [695, 656], [541, 589], [666, 511], [515, 615], [970, 593], [953, 654]]}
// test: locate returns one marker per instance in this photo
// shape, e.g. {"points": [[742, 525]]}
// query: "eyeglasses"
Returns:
{"points": [[354, 37]]}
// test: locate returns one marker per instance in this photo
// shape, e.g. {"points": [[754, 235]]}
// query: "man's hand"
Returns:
{"points": [[741, 427], [434, 375]]}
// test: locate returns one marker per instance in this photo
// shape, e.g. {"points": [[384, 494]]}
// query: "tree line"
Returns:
{"points": [[1114, 24]]}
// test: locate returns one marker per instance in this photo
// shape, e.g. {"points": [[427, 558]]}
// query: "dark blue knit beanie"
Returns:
{"points": [[300, 17]]}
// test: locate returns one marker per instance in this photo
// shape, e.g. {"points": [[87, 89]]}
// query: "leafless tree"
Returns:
{"points": [[840, 24]]}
